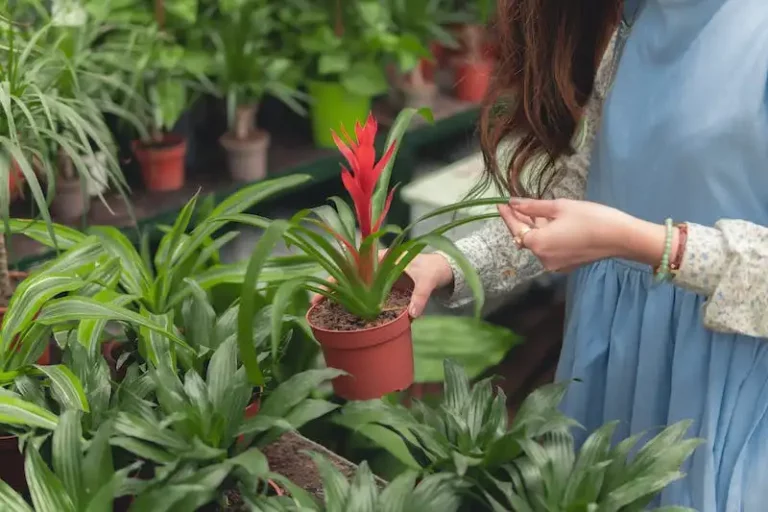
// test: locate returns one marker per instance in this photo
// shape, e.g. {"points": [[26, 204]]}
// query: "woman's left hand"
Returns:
{"points": [[565, 234]]}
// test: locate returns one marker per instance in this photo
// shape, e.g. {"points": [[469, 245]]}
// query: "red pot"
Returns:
{"points": [[162, 164], [12, 468], [379, 360], [473, 77], [16, 181], [112, 350]]}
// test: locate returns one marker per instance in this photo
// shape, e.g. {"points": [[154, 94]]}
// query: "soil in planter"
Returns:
{"points": [[332, 316]]}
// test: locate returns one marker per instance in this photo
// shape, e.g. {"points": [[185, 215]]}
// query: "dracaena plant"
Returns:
{"points": [[81, 475], [201, 423], [145, 290], [409, 492], [529, 465]]}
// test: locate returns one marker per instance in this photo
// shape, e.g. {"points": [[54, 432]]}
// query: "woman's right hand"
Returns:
{"points": [[429, 273]]}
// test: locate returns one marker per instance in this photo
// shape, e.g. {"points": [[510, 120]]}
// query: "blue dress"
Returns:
{"points": [[684, 135]]}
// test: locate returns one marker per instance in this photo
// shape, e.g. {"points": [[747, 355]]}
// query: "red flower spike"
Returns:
{"points": [[363, 174]]}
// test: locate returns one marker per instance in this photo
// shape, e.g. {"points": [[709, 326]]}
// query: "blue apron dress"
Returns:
{"points": [[684, 135]]}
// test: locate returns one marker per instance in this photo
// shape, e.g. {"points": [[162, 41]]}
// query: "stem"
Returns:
{"points": [[160, 13], [417, 77], [367, 264], [339, 29], [6, 287], [157, 136], [244, 120], [473, 41]]}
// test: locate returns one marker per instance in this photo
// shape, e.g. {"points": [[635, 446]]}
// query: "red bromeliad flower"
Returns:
{"points": [[360, 180], [363, 174]]}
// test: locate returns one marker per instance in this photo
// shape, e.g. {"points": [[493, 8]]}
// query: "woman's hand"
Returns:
{"points": [[565, 234], [429, 272]]}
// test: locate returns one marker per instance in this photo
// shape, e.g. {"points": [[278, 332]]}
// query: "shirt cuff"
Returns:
{"points": [[703, 261]]}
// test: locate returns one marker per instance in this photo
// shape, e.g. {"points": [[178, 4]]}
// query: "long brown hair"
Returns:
{"points": [[548, 54]]}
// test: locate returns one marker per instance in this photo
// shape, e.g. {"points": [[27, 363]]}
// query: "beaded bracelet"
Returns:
{"points": [[662, 272], [682, 242]]}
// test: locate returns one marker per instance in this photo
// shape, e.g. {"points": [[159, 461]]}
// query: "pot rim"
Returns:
{"points": [[257, 138], [410, 283], [170, 141]]}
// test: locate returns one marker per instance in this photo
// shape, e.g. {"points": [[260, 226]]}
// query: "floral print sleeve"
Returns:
{"points": [[727, 264], [500, 264]]}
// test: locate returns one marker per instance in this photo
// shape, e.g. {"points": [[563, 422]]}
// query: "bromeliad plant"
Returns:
{"points": [[529, 465], [362, 283], [361, 280]]}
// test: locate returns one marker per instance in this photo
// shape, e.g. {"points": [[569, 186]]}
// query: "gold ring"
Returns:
{"points": [[520, 239]]}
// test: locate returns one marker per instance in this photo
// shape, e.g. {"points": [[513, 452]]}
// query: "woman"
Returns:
{"points": [[666, 317]]}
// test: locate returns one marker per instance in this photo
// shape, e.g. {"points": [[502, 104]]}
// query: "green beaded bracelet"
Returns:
{"points": [[663, 271]]}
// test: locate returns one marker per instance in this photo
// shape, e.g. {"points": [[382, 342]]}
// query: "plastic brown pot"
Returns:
{"points": [[379, 360], [112, 350], [12, 468], [69, 201], [247, 157], [473, 77], [162, 164]]}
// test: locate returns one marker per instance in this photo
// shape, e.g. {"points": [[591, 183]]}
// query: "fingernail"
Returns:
{"points": [[412, 312]]}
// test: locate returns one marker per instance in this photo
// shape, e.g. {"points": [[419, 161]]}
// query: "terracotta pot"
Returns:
{"points": [[12, 468], [16, 181], [69, 202], [253, 408], [473, 77], [379, 360], [162, 164], [247, 157]]}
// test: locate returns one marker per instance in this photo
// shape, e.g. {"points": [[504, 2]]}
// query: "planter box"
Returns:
{"points": [[288, 457]]}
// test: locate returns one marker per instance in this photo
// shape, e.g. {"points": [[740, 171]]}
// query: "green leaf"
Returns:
{"points": [[37, 230], [395, 136], [70, 309], [364, 78], [97, 464], [15, 411], [67, 455], [247, 311], [48, 493], [436, 338], [295, 390], [335, 485], [470, 273], [10, 501], [135, 276], [66, 387]]}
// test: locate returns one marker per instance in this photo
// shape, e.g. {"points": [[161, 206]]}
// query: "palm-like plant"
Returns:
{"points": [[407, 493], [529, 465]]}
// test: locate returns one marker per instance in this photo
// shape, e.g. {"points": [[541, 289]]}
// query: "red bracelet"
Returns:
{"points": [[682, 241]]}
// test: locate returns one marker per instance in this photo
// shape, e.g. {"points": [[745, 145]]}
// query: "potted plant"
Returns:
{"points": [[41, 121], [248, 65], [362, 322], [167, 73], [531, 461], [419, 24], [341, 46], [473, 65], [95, 80]]}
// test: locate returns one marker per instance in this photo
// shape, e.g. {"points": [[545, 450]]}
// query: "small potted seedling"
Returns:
{"points": [[361, 320]]}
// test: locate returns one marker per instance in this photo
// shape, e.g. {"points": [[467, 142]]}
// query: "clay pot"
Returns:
{"points": [[472, 78], [69, 202], [247, 157], [162, 164], [12, 468], [379, 360]]}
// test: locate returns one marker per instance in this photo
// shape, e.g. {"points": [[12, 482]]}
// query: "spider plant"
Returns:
{"points": [[529, 465]]}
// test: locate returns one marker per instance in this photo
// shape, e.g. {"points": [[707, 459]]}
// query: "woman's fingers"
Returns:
{"points": [[515, 223], [422, 291], [549, 209]]}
